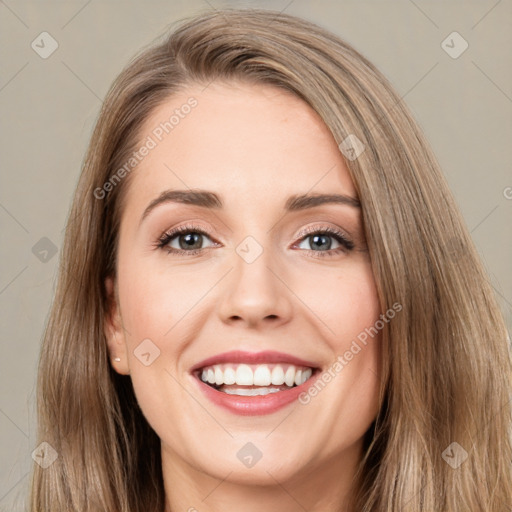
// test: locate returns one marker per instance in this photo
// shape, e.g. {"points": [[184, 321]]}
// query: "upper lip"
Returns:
{"points": [[240, 356]]}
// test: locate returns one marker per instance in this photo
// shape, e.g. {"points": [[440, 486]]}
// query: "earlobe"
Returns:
{"points": [[114, 332]]}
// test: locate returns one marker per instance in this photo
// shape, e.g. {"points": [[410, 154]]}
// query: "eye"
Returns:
{"points": [[189, 240], [185, 239], [320, 241]]}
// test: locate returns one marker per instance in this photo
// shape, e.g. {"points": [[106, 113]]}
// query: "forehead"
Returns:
{"points": [[238, 139]]}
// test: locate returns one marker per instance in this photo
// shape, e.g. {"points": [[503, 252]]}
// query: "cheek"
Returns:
{"points": [[153, 307], [344, 302], [160, 306], [349, 312], [154, 300], [350, 382]]}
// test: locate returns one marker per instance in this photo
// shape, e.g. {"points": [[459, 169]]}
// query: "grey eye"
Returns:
{"points": [[318, 241], [191, 240]]}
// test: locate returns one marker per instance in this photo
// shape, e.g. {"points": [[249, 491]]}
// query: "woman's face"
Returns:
{"points": [[263, 283]]}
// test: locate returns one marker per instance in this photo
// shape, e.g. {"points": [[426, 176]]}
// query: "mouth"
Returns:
{"points": [[254, 383], [242, 379]]}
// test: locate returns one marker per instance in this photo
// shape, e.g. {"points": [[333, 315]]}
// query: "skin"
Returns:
{"points": [[254, 145]]}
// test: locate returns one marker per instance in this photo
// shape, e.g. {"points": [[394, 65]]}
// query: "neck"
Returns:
{"points": [[322, 487]]}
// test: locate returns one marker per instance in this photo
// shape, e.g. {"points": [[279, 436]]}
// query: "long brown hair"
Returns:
{"points": [[446, 361]]}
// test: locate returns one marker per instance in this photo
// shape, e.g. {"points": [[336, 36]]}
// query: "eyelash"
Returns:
{"points": [[345, 243], [169, 235]]}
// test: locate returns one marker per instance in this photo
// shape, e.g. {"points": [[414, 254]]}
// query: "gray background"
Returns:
{"points": [[48, 107]]}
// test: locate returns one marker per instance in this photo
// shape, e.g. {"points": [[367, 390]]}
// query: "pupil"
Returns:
{"points": [[318, 239], [190, 240]]}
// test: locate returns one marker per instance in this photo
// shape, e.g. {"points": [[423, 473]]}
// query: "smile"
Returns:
{"points": [[254, 383], [254, 380]]}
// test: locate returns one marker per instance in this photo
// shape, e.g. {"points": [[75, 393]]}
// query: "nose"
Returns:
{"points": [[255, 294]]}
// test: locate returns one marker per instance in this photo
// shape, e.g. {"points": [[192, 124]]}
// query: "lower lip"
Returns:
{"points": [[255, 405]]}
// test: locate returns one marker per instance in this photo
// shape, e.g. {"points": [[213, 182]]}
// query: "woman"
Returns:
{"points": [[267, 297]]}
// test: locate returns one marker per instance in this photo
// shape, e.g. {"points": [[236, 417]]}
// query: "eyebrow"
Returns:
{"points": [[305, 201], [211, 200]]}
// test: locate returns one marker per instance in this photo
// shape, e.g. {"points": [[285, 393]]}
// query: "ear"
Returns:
{"points": [[114, 332]]}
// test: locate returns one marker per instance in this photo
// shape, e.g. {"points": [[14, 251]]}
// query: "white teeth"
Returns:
{"points": [[262, 376], [306, 374], [250, 391], [244, 376], [229, 376], [255, 375], [219, 376], [289, 377], [302, 376], [278, 376]]}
